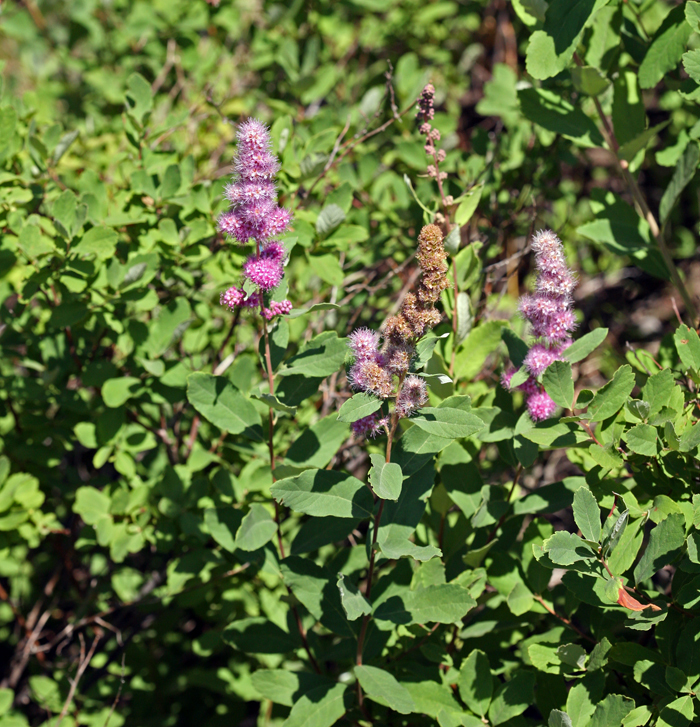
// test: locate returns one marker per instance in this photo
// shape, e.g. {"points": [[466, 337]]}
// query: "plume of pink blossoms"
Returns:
{"points": [[255, 215], [549, 311]]}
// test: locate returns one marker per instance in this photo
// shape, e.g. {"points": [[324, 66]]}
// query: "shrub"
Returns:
{"points": [[337, 477]]}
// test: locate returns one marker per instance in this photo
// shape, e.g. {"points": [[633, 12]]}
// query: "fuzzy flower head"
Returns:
{"points": [[540, 406], [414, 395], [364, 344], [264, 272], [369, 426], [368, 375]]}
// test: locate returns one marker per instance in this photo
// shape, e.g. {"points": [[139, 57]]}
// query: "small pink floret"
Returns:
{"points": [[540, 406], [363, 343]]}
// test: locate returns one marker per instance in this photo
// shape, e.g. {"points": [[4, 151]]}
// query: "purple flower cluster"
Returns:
{"points": [[255, 215], [549, 311]]}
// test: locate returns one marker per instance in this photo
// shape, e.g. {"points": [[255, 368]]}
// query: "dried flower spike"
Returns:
{"points": [[384, 371]]}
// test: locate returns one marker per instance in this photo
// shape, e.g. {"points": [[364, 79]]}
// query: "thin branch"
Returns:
{"points": [[82, 666], [563, 619]]}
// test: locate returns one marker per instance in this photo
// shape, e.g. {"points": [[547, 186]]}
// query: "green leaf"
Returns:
{"points": [[65, 212], [139, 99], [557, 718], [664, 542], [92, 505], [33, 244], [317, 445], [320, 357], [550, 111], [425, 348], [551, 49], [619, 228], [611, 711], [475, 682], [171, 321], [517, 348], [383, 688], [354, 603], [683, 173], [589, 80], [612, 538], [257, 528], [641, 439], [587, 514], [453, 240], [317, 590], [433, 698], [273, 402], [358, 406], [468, 205], [444, 603], [688, 346], [6, 698], [385, 478], [320, 707], [116, 392], [218, 401], [222, 524], [559, 383], [98, 241], [623, 556], [630, 149], [396, 546], [317, 532], [282, 686], [692, 15], [512, 698], [612, 397], [259, 635], [329, 218], [171, 182], [476, 348], [328, 268], [666, 48], [447, 423], [678, 713], [567, 548], [325, 492], [298, 312]]}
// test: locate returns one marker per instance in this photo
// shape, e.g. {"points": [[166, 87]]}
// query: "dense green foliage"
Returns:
{"points": [[153, 570]]}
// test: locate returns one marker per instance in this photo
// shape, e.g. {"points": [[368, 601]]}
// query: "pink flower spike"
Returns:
{"points": [[540, 406], [266, 273]]}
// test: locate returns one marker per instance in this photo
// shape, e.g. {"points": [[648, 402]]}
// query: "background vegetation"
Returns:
{"points": [[147, 576]]}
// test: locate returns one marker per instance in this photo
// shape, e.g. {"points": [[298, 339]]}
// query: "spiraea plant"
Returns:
{"points": [[334, 514]]}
